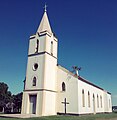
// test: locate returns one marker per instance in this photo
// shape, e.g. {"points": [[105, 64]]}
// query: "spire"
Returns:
{"points": [[45, 7], [44, 24]]}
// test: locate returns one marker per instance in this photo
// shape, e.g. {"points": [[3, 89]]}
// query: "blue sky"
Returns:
{"points": [[87, 34]]}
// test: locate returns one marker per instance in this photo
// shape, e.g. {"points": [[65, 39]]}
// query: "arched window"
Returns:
{"points": [[34, 81], [101, 101], [37, 46], [109, 104], [51, 48], [97, 101], [94, 107], [83, 98], [63, 86], [88, 99]]}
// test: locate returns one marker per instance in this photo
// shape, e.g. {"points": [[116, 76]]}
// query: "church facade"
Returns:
{"points": [[50, 89]]}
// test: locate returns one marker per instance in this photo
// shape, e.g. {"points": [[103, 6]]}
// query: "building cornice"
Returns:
{"points": [[40, 53], [39, 90]]}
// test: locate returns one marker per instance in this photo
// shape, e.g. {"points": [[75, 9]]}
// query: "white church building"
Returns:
{"points": [[51, 89]]}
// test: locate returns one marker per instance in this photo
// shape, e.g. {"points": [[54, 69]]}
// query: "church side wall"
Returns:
{"points": [[107, 102], [70, 93], [110, 103], [96, 104]]}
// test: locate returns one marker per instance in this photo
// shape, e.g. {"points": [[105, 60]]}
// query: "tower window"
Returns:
{"points": [[34, 81], [37, 46], [63, 86], [51, 48]]}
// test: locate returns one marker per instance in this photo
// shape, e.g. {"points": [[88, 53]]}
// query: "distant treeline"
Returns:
{"points": [[9, 103]]}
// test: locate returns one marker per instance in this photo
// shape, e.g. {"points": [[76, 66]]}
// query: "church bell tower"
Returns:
{"points": [[39, 96]]}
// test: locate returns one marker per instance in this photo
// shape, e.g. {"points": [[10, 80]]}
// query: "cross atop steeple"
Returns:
{"points": [[44, 25], [45, 7]]}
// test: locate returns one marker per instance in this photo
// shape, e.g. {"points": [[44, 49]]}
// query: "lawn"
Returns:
{"points": [[86, 117]]}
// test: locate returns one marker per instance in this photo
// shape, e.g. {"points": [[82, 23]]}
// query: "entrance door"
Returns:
{"points": [[33, 99], [94, 104]]}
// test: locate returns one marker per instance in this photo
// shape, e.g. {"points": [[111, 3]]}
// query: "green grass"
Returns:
{"points": [[86, 117]]}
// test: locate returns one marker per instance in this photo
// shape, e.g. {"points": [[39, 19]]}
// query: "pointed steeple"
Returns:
{"points": [[44, 24]]}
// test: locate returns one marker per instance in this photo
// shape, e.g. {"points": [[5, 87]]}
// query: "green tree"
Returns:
{"points": [[5, 95], [8, 101], [17, 100]]}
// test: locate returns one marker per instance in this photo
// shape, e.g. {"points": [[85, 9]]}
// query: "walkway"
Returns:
{"points": [[16, 116]]}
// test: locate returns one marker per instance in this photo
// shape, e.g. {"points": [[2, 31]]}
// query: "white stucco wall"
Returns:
{"points": [[49, 84], [45, 88], [50, 73], [71, 93], [40, 59], [26, 102], [92, 90], [33, 44], [49, 106], [48, 45], [107, 102]]}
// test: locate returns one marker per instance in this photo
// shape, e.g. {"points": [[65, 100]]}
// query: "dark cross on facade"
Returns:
{"points": [[65, 104]]}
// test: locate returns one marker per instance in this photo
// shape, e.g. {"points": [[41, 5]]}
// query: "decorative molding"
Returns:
{"points": [[32, 37], [35, 54], [39, 90], [43, 33]]}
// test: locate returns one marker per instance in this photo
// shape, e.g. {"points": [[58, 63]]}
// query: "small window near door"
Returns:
{"points": [[34, 81]]}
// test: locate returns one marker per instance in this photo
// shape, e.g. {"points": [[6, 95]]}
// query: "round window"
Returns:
{"points": [[35, 66]]}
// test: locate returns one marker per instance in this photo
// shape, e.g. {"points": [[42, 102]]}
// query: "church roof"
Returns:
{"points": [[44, 24], [82, 79]]}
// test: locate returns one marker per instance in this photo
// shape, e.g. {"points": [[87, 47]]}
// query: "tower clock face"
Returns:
{"points": [[35, 66]]}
